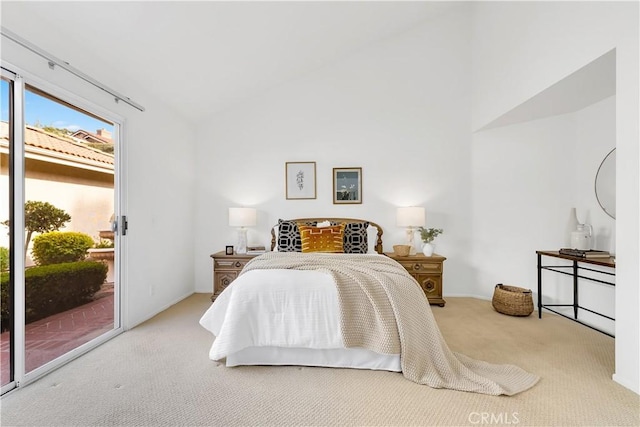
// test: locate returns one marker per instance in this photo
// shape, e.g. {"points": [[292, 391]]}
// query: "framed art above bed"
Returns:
{"points": [[300, 180], [347, 186]]}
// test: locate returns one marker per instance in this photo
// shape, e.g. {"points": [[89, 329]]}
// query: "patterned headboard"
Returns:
{"points": [[378, 244]]}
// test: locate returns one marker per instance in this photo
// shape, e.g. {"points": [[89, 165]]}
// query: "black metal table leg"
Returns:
{"points": [[539, 286], [575, 289]]}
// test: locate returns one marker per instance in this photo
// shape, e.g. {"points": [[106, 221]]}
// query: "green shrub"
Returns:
{"points": [[4, 258], [52, 289], [60, 246]]}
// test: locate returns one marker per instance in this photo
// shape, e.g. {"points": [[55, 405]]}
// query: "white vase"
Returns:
{"points": [[428, 248], [572, 225]]}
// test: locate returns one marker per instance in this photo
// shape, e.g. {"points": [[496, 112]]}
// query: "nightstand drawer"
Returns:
{"points": [[222, 279], [229, 264], [421, 267], [431, 285]]}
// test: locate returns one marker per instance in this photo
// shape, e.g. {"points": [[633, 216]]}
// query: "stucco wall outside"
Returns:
{"points": [[87, 196]]}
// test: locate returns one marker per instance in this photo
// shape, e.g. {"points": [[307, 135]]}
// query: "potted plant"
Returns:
{"points": [[428, 235]]}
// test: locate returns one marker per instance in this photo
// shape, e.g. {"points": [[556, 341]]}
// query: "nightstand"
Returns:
{"points": [[225, 269], [427, 270]]}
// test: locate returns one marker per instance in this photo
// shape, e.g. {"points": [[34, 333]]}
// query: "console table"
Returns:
{"points": [[577, 266]]}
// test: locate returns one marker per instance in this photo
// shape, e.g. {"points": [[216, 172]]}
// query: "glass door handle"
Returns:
{"points": [[124, 225]]}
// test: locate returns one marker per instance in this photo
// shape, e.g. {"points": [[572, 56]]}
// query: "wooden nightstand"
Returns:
{"points": [[225, 269], [427, 271]]}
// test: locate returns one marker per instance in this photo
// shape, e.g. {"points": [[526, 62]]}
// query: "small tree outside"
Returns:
{"points": [[41, 217]]}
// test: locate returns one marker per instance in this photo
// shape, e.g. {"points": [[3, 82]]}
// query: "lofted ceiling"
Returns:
{"points": [[203, 57], [588, 85]]}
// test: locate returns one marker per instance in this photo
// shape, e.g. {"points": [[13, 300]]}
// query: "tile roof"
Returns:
{"points": [[36, 137]]}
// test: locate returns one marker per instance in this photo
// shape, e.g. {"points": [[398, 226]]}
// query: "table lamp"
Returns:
{"points": [[411, 217], [242, 218]]}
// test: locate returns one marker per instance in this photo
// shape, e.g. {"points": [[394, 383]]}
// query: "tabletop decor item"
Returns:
{"points": [[428, 235], [401, 250]]}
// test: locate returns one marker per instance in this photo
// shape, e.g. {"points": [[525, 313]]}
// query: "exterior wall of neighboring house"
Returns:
{"points": [[102, 136], [71, 184]]}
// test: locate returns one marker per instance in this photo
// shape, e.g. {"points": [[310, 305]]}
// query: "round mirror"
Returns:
{"points": [[606, 184]]}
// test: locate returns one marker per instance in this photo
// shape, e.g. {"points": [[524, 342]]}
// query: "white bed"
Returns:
{"points": [[289, 317], [343, 310], [285, 317]]}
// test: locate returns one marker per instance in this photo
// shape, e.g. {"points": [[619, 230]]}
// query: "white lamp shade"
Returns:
{"points": [[242, 217], [412, 216]]}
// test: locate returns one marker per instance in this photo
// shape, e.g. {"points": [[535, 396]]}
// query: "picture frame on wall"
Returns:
{"points": [[347, 186], [300, 180]]}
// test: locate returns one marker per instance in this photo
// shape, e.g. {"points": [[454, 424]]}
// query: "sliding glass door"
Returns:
{"points": [[7, 342], [59, 202]]}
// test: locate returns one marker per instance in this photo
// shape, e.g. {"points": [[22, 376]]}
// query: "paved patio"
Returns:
{"points": [[53, 336]]}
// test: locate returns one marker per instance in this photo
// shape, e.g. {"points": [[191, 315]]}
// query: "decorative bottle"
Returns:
{"points": [[572, 225]]}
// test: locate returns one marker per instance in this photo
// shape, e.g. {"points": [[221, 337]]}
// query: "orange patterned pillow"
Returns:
{"points": [[322, 239]]}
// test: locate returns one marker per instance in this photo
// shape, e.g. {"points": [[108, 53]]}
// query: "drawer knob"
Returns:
{"points": [[416, 266], [429, 285], [238, 264]]}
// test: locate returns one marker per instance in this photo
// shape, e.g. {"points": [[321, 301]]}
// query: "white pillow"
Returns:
{"points": [[372, 238]]}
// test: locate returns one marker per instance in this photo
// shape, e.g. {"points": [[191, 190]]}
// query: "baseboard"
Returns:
{"points": [[623, 382], [482, 297]]}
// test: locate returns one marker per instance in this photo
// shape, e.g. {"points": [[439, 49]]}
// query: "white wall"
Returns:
{"points": [[399, 109], [520, 49], [526, 179], [158, 154]]}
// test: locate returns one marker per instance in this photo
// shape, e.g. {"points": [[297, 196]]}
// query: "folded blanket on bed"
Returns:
{"points": [[383, 309]]}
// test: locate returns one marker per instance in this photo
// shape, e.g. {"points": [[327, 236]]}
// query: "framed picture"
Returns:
{"points": [[347, 186], [229, 250], [300, 180]]}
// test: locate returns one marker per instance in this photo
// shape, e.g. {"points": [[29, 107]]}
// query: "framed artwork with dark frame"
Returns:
{"points": [[347, 186], [300, 180]]}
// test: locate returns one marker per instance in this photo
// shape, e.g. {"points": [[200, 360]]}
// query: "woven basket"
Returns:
{"points": [[512, 300], [401, 250]]}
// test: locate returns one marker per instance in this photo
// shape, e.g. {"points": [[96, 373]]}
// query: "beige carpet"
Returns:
{"points": [[158, 374]]}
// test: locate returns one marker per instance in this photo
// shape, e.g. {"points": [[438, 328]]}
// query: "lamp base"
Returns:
{"points": [[242, 241], [410, 242]]}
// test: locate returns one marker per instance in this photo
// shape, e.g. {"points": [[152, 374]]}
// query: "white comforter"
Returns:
{"points": [[284, 317], [281, 308]]}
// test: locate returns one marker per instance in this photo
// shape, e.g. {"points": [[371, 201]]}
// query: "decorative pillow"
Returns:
{"points": [[356, 238], [322, 239], [289, 236]]}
